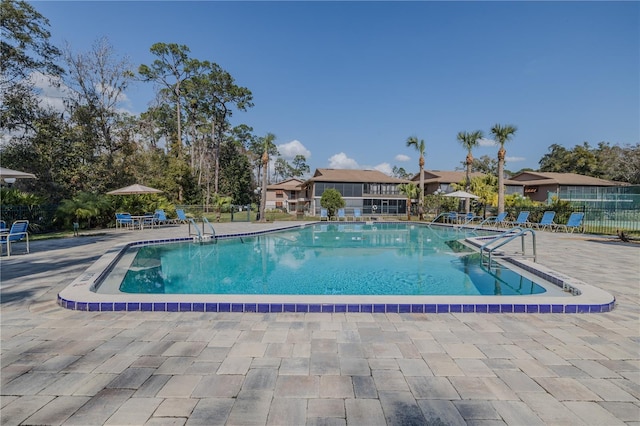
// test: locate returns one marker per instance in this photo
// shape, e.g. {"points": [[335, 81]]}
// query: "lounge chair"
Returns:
{"points": [[160, 218], [495, 220], [341, 215], [182, 217], [574, 222], [3, 225], [324, 215], [522, 220], [546, 221], [18, 232], [357, 214]]}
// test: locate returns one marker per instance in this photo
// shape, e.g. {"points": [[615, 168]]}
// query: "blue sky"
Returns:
{"points": [[346, 83]]}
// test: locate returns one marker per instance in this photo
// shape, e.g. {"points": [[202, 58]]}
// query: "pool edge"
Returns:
{"points": [[79, 295]]}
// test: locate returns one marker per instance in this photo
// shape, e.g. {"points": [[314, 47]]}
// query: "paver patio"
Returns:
{"points": [[65, 367]]}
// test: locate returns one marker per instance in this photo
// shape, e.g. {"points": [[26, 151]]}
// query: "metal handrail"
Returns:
{"points": [[505, 238], [210, 226]]}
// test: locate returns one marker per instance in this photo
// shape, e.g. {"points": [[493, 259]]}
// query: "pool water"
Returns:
{"points": [[323, 259]]}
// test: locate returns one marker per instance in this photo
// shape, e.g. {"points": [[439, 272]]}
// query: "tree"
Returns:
{"points": [[413, 141], [25, 51], [24, 45], [469, 141], [502, 134], [332, 200], [172, 67], [411, 191], [98, 80], [267, 143], [299, 166], [400, 173]]}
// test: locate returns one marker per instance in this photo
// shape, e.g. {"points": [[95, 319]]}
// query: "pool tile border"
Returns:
{"points": [[84, 284], [420, 308]]}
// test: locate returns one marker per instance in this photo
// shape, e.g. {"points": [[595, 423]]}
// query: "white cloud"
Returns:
{"points": [[487, 142], [514, 159], [289, 150], [341, 161], [384, 168], [50, 94], [402, 158]]}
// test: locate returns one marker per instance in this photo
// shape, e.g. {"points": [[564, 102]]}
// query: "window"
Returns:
{"points": [[279, 193]]}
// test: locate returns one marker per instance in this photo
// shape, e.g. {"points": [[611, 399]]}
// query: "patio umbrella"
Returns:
{"points": [[134, 189], [461, 194], [15, 174]]}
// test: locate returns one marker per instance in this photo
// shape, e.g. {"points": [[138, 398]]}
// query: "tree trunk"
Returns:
{"points": [[501, 155]]}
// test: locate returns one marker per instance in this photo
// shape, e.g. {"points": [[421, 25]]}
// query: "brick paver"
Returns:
{"points": [[80, 368]]}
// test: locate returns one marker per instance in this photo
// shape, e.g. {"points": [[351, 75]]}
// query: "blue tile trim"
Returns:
{"points": [[332, 308]]}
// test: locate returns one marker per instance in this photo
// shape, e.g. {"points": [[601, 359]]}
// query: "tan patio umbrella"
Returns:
{"points": [[134, 189], [15, 174], [461, 194]]}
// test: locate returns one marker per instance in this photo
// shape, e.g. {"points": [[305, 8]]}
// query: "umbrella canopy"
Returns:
{"points": [[461, 194], [15, 174], [134, 189]]}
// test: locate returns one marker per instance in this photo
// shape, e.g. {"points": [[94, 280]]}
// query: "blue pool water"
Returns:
{"points": [[323, 259]]}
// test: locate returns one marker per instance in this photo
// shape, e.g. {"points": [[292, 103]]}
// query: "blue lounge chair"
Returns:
{"points": [[341, 215], [574, 222], [324, 215], [18, 232], [495, 220], [3, 225], [546, 221], [357, 214], [160, 218], [182, 217], [522, 220]]}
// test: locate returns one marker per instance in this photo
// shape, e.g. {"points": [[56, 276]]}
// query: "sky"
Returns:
{"points": [[346, 83]]}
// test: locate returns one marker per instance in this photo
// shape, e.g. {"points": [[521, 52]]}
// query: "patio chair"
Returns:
{"points": [[495, 220], [3, 225], [324, 215], [357, 214], [17, 233], [341, 215], [125, 220], [521, 220], [546, 221], [160, 218], [182, 217], [574, 222]]}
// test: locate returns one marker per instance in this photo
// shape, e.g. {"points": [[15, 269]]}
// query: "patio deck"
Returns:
{"points": [[61, 366]]}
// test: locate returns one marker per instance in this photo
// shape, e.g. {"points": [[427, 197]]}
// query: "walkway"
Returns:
{"points": [[149, 368]]}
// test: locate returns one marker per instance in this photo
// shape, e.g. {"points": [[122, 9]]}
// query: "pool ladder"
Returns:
{"points": [[205, 234], [506, 237]]}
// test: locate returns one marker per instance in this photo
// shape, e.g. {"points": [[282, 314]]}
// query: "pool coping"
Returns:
{"points": [[79, 295]]}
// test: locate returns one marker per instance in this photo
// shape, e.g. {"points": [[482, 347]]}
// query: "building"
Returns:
{"points": [[542, 186], [442, 181], [371, 191], [287, 196]]}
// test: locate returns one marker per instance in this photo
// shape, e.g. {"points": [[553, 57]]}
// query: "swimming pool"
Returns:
{"points": [[324, 259], [358, 267]]}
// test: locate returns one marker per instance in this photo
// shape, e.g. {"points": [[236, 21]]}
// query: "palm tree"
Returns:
{"points": [[419, 145], [469, 141], [268, 140], [411, 191], [502, 134]]}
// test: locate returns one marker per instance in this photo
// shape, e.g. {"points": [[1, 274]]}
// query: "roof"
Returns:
{"points": [[456, 176], [438, 176], [290, 184], [553, 178], [353, 175]]}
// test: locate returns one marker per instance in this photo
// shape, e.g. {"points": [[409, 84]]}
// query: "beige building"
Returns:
{"points": [[371, 191], [541, 186], [287, 195]]}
